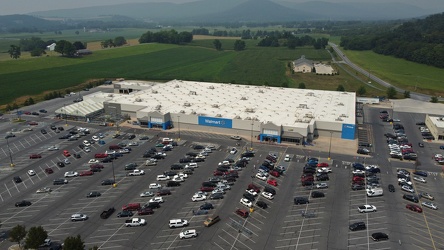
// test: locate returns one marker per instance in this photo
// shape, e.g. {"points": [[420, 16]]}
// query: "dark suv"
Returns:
{"points": [[357, 226], [411, 197], [301, 200]]}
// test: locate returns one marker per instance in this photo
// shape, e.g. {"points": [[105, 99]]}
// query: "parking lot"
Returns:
{"points": [[321, 224]]}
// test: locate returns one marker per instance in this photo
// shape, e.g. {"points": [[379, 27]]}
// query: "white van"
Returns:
{"points": [[178, 223], [375, 192]]}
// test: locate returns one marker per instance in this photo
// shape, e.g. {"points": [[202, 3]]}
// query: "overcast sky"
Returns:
{"points": [[8, 7]]}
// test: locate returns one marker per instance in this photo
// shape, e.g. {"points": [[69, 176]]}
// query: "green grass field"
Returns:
{"points": [[200, 62]]}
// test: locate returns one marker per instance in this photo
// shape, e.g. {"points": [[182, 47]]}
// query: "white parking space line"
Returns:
{"points": [[22, 144], [99, 236], [303, 237], [311, 224], [236, 240], [7, 189], [300, 244]]}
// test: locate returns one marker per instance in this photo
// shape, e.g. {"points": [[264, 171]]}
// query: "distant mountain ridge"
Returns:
{"points": [[247, 10]]}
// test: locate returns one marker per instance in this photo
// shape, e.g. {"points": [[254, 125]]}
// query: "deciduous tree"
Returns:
{"points": [[217, 44], [36, 236], [73, 243], [239, 45], [391, 93], [17, 234], [14, 52]]}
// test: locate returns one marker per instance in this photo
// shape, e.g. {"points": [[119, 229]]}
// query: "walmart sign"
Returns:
{"points": [[215, 122]]}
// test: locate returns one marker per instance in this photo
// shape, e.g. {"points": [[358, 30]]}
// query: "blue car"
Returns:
{"points": [[441, 147], [359, 166], [421, 173]]}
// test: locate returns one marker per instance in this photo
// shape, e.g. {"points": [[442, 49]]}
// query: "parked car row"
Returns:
{"points": [[398, 144], [405, 180]]}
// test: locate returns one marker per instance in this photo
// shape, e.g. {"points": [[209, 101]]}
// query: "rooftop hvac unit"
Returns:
{"points": [[303, 106], [306, 120], [237, 117], [243, 98], [261, 91], [344, 115], [441, 118], [155, 92], [308, 115], [182, 111], [339, 119], [193, 93], [309, 94], [187, 104], [176, 86], [340, 104], [193, 112], [249, 110], [110, 95], [218, 115], [158, 107], [211, 87], [215, 105], [138, 100]]}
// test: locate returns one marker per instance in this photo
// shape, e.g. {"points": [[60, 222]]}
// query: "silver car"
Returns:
{"points": [[79, 217]]}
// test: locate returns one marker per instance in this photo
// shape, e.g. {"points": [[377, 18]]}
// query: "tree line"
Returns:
{"points": [[164, 36], [420, 41]]}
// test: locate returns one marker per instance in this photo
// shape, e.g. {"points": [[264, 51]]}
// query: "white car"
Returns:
{"points": [[430, 205], [110, 152], [147, 194], [246, 202], [86, 143], [133, 143], [162, 177], [252, 192], [53, 148], [188, 234], [44, 190], [357, 171], [404, 181], [420, 179], [407, 188], [287, 158], [79, 217], [199, 197], [321, 185], [157, 199], [371, 167], [324, 170], [182, 175], [223, 186], [66, 161], [31, 172], [87, 149], [261, 176], [71, 174], [177, 178], [93, 161], [218, 191], [236, 137], [154, 186], [233, 151], [268, 195], [95, 138], [191, 165]]}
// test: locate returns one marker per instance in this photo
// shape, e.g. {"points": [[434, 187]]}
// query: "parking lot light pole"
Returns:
{"points": [[114, 176], [10, 154], [251, 138], [66, 118], [178, 125], [329, 147]]}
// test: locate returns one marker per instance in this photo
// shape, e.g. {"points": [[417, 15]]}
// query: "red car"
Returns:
{"points": [[86, 173], [97, 166], [414, 208], [100, 155], [322, 165], [357, 178], [145, 211], [35, 156], [49, 170], [33, 123], [242, 212], [274, 173], [272, 182], [206, 189], [254, 187], [27, 112], [66, 153], [218, 173]]}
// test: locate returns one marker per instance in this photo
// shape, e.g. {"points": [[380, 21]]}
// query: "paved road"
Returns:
{"points": [[413, 95]]}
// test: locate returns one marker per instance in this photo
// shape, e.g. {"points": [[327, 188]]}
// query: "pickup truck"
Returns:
{"points": [[107, 213], [366, 208], [135, 222], [136, 172]]}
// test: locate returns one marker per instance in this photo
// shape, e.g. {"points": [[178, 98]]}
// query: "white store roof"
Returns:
{"points": [[282, 106]]}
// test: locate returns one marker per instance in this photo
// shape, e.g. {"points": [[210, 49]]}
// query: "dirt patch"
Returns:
{"points": [[97, 45], [204, 37]]}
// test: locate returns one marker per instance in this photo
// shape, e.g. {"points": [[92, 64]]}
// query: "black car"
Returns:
{"points": [[270, 190], [317, 194], [60, 164], [77, 155], [43, 131], [379, 236], [17, 179], [107, 182], [206, 206], [60, 128], [170, 173], [23, 203], [301, 200], [143, 138], [53, 127], [164, 192], [249, 197], [176, 167], [216, 196], [173, 184], [107, 159], [198, 160], [193, 154], [322, 177], [262, 204], [158, 156], [125, 213], [198, 147], [391, 188], [410, 197], [152, 205], [130, 166], [357, 166], [185, 160], [357, 226], [247, 154], [93, 194], [60, 182]]}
